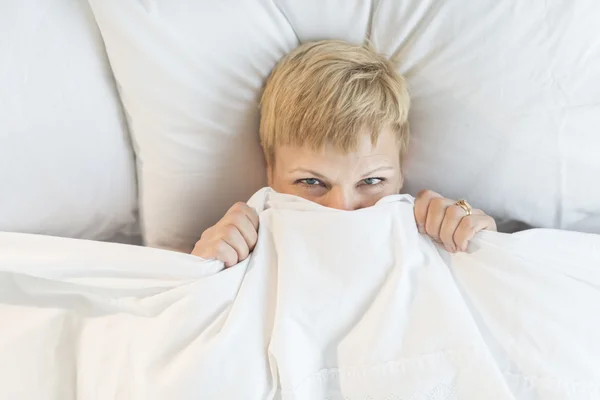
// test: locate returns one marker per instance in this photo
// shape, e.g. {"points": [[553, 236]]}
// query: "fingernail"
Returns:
{"points": [[450, 249], [421, 228]]}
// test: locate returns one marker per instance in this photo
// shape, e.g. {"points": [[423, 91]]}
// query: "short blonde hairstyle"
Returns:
{"points": [[326, 92]]}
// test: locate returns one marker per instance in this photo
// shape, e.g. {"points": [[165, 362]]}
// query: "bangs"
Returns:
{"points": [[327, 93]]}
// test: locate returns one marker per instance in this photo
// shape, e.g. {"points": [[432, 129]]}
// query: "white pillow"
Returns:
{"points": [[506, 104], [505, 99], [66, 166]]}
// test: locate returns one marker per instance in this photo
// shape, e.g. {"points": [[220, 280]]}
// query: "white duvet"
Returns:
{"points": [[331, 305]]}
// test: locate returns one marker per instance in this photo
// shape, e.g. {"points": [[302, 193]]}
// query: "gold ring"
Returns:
{"points": [[465, 206]]}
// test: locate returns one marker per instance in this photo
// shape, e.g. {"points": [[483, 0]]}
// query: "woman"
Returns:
{"points": [[334, 130]]}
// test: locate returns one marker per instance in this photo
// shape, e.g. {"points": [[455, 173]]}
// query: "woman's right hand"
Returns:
{"points": [[232, 239]]}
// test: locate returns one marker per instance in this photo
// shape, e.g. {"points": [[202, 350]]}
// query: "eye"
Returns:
{"points": [[372, 181], [310, 182]]}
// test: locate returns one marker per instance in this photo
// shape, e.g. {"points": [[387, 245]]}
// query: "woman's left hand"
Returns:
{"points": [[447, 222]]}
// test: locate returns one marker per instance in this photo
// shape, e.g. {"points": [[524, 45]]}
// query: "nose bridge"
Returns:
{"points": [[341, 198]]}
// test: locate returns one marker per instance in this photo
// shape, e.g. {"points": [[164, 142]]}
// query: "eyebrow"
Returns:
{"points": [[379, 169], [308, 171], [318, 175]]}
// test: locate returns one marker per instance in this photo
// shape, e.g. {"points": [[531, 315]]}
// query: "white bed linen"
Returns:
{"points": [[505, 100], [67, 167], [331, 305]]}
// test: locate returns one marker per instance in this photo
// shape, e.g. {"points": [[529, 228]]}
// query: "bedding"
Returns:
{"points": [[66, 163], [505, 110], [331, 305]]}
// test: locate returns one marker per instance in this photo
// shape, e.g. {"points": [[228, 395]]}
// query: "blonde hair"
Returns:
{"points": [[326, 92]]}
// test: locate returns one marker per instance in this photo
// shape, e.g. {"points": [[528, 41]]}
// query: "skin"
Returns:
{"points": [[344, 181]]}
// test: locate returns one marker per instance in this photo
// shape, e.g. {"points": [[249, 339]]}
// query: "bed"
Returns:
{"points": [[127, 127]]}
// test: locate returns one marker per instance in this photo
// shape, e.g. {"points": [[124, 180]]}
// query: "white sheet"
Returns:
{"points": [[331, 305]]}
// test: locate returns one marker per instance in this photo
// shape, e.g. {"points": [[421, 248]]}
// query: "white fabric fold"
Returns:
{"points": [[331, 305]]}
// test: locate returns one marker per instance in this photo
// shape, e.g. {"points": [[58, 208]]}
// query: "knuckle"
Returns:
{"points": [[238, 207], [207, 233], [220, 248], [467, 223], [437, 202], [228, 232], [201, 250], [455, 212], [425, 193], [234, 218], [238, 218]]}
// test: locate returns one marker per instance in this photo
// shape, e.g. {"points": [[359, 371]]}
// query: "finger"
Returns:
{"points": [[252, 216], [491, 224], [454, 214], [216, 250], [248, 211], [226, 253], [245, 226], [201, 250], [422, 202], [435, 216], [469, 226], [235, 239]]}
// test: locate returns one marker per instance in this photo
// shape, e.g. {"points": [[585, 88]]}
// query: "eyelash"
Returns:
{"points": [[302, 182]]}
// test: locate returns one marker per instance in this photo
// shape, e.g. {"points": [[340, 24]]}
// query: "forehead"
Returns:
{"points": [[386, 148]]}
